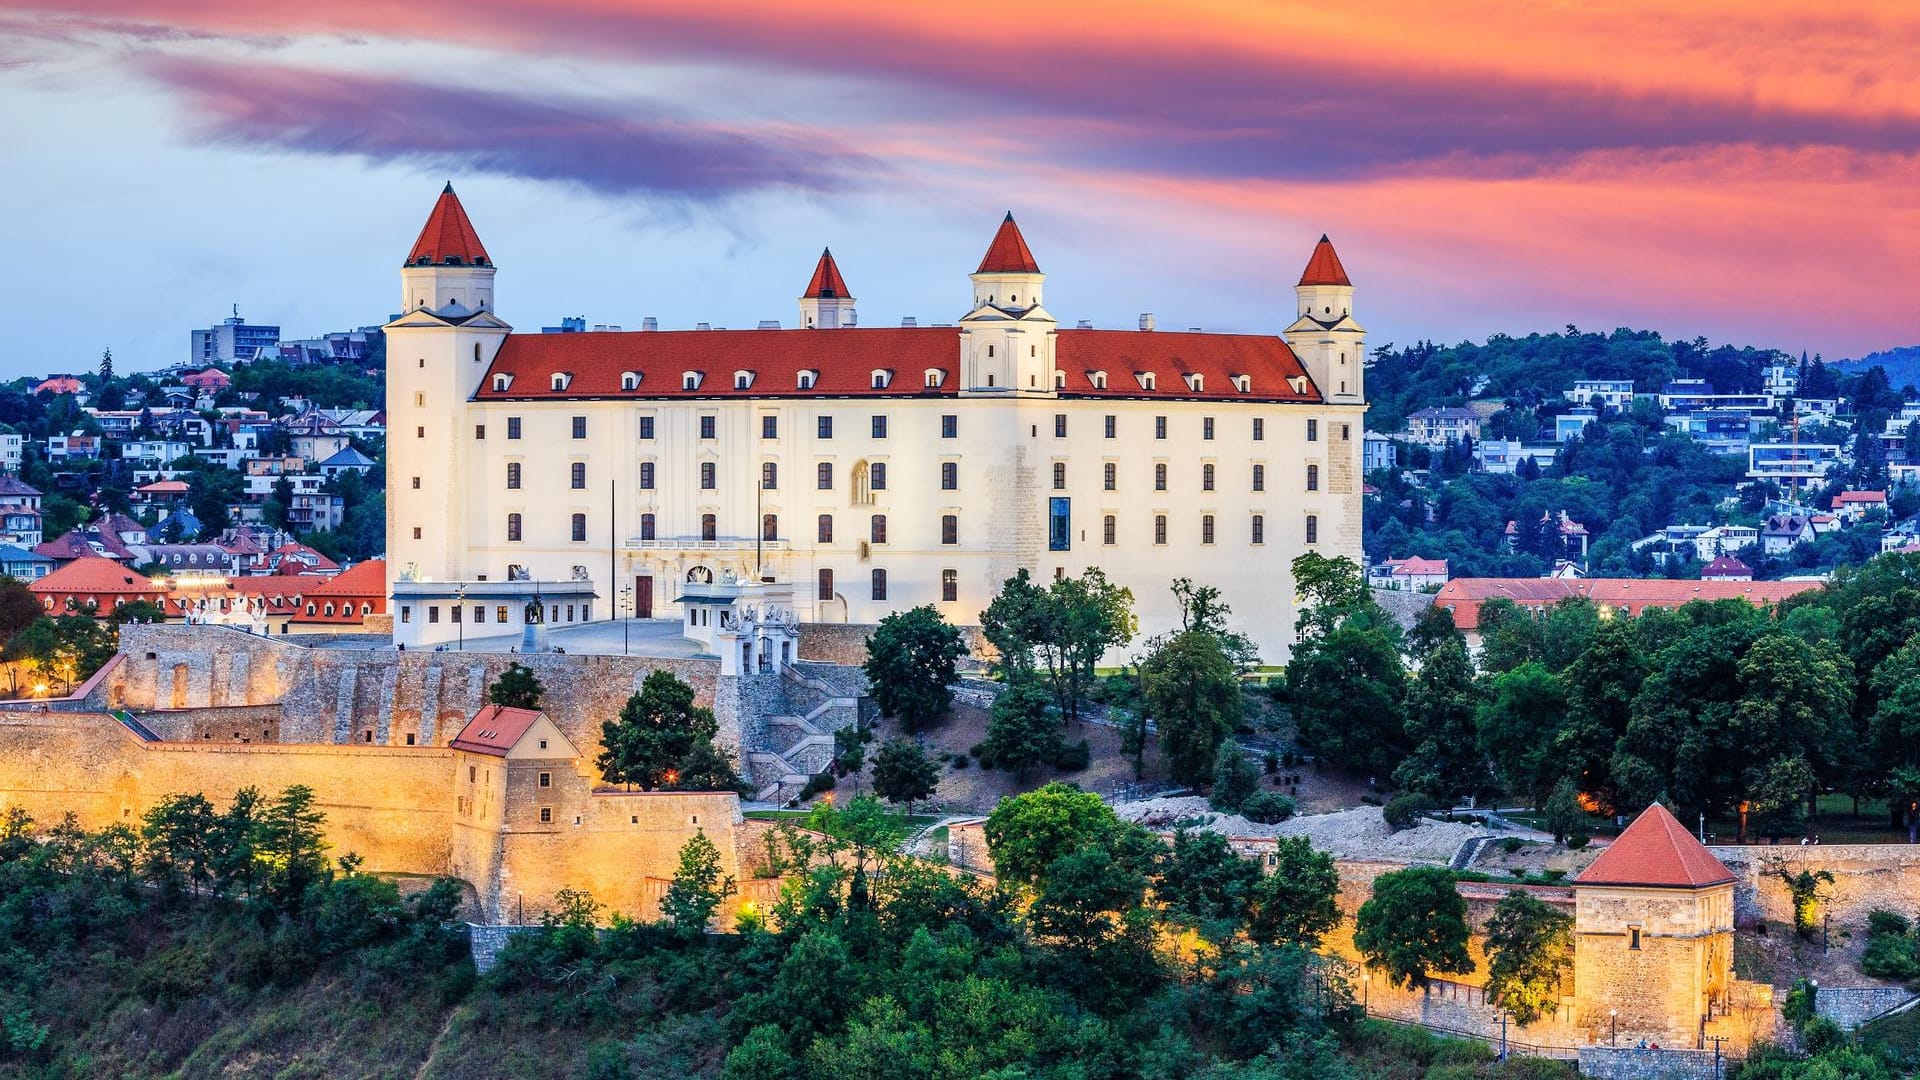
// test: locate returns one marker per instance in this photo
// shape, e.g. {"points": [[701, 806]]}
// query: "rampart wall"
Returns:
{"points": [[1866, 876], [846, 643]]}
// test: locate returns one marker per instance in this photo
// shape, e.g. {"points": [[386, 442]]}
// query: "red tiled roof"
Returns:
{"points": [[1324, 268], [1008, 254], [1418, 565], [1656, 851], [827, 283], [1465, 595], [365, 579], [844, 361], [448, 237], [95, 575], [1846, 497], [494, 729], [13, 485], [1725, 566]]}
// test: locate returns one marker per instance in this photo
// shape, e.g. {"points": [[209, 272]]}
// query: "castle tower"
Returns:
{"points": [[1008, 338], [438, 352], [1653, 936], [827, 304], [1324, 334]]}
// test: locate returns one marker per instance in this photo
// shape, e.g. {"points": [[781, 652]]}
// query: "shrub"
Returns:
{"points": [[1267, 808], [960, 761], [1072, 757], [1882, 921], [1510, 844], [1576, 841], [1234, 779], [1272, 762], [1821, 1035], [1370, 800], [983, 754], [816, 784], [1890, 956], [1405, 811], [1554, 874]]}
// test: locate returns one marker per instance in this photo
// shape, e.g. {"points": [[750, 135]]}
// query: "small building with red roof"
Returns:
{"points": [[211, 380], [1726, 568], [1415, 574], [1851, 506], [60, 384], [346, 599], [1653, 935], [95, 583]]}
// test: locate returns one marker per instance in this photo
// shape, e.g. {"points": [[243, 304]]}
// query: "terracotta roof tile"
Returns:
{"points": [[1324, 267], [494, 729], [1658, 852], [827, 283], [1008, 254], [368, 578], [448, 238], [95, 575]]}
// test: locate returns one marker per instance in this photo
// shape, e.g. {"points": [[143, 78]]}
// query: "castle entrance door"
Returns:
{"points": [[643, 596]]}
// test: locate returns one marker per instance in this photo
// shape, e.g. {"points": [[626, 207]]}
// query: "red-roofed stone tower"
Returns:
{"points": [[1324, 334], [1653, 936], [827, 304], [437, 353], [1008, 344]]}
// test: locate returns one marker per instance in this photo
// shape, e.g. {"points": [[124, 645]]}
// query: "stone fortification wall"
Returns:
{"points": [[1850, 1007], [1632, 1063], [380, 696], [1356, 888], [222, 723], [389, 804], [1866, 876], [846, 643]]}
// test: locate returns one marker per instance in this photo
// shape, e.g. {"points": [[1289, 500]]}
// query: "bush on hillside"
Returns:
{"points": [[1405, 811], [1267, 808]]}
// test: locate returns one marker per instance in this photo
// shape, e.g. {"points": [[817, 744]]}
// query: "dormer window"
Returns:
{"points": [[743, 380], [806, 379], [1243, 383], [881, 378], [561, 379], [1196, 382], [690, 380], [1145, 379], [934, 375], [629, 380], [1299, 383], [1059, 380], [1099, 379], [501, 383]]}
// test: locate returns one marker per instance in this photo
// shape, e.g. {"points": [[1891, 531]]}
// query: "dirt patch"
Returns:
{"points": [[1533, 857], [1347, 834]]}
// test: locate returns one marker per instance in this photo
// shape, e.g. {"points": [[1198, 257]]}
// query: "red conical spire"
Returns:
{"points": [[827, 284], [1008, 254], [448, 238], [1324, 268]]}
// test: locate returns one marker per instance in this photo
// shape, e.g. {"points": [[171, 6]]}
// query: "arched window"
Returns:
{"points": [[823, 476], [579, 528], [949, 585], [805, 379], [709, 527], [646, 527], [879, 584], [560, 380], [1059, 380], [881, 378], [1160, 528], [933, 378], [513, 527], [1313, 528], [629, 380], [1109, 527], [1206, 528], [476, 352], [501, 382], [1099, 380]]}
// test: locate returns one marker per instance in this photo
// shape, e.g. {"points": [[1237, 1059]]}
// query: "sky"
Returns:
{"points": [[1741, 170]]}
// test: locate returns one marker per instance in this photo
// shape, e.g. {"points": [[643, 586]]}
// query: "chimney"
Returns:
{"points": [[769, 324], [702, 326], [649, 323], [1083, 324], [1146, 320], [909, 320]]}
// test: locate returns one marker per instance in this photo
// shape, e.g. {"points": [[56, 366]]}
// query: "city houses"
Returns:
{"points": [[874, 469]]}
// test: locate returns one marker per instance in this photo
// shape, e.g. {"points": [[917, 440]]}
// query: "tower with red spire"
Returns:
{"points": [[1008, 338], [827, 304], [1324, 335]]}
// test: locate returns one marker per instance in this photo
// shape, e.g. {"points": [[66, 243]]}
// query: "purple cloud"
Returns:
{"points": [[634, 150]]}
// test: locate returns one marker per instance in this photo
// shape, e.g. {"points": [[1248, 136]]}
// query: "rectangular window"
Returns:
{"points": [[406, 613], [1160, 529], [823, 476], [1313, 431], [949, 426], [826, 529], [500, 613], [879, 584], [709, 478], [769, 476], [825, 427], [1313, 528], [647, 528], [1160, 476], [1259, 429], [1259, 478], [770, 526], [1206, 477], [579, 528], [949, 476], [1633, 941], [1206, 528], [433, 613], [1111, 426], [877, 529], [1346, 432], [949, 529], [1109, 530], [579, 427], [546, 779], [416, 483], [479, 431], [1159, 427], [1313, 478], [825, 588], [1259, 528], [879, 427], [769, 427], [420, 432], [646, 476], [1206, 428], [1059, 425], [577, 475], [513, 427], [706, 427], [877, 476], [646, 427], [1059, 524], [1059, 476], [949, 585], [546, 815], [1110, 476], [455, 612], [513, 527]]}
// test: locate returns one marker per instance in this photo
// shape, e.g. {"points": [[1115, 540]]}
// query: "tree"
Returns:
{"points": [[903, 773], [1510, 635], [1804, 886], [1441, 707], [1027, 833], [1414, 925], [1206, 885], [179, 832], [136, 611], [1190, 688], [1346, 690], [1061, 630], [1297, 902], [1432, 628], [19, 608], [698, 886], [279, 504], [1235, 778], [1529, 950], [1600, 688], [661, 738], [290, 844], [1894, 726], [1518, 727], [1202, 609], [910, 665], [1328, 589], [1021, 731], [516, 688], [1564, 817]]}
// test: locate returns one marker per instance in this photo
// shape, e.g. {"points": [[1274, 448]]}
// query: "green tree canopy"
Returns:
{"points": [[1529, 955], [698, 887], [1297, 903], [1441, 706], [1189, 687], [1519, 726], [1414, 926], [910, 665], [662, 739], [903, 773], [516, 688]]}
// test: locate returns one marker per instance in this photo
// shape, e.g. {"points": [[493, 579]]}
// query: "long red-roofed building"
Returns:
{"points": [[874, 468], [96, 584], [1628, 596]]}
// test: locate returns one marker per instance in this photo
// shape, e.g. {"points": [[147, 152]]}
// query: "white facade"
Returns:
{"points": [[872, 487]]}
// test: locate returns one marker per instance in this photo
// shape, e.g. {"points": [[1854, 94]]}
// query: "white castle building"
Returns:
{"points": [[874, 469]]}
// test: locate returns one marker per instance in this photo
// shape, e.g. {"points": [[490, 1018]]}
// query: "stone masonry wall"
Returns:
{"points": [[846, 643], [1631, 1063], [224, 723], [1866, 876]]}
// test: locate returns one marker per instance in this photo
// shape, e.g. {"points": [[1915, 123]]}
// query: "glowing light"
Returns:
{"points": [[672, 776], [39, 688]]}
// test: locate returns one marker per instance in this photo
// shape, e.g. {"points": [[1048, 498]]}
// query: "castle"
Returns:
{"points": [[872, 469]]}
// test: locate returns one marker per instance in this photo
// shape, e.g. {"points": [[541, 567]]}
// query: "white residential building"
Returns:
{"points": [[1616, 395]]}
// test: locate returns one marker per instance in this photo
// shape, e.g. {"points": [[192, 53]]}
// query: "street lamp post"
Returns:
{"points": [[460, 614], [1613, 1037], [626, 605]]}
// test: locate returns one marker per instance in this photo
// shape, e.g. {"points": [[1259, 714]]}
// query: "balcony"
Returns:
{"points": [[694, 543]]}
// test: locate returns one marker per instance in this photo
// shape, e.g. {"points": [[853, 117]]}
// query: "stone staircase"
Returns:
{"points": [[800, 745]]}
